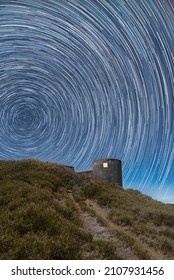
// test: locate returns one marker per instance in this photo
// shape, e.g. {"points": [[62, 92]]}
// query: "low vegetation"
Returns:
{"points": [[139, 218], [39, 220]]}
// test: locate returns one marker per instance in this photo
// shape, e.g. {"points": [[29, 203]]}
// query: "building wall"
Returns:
{"points": [[109, 170]]}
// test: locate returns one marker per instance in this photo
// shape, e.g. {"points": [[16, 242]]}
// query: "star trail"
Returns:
{"points": [[82, 80]]}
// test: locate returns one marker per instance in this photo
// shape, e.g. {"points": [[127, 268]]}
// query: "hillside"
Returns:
{"points": [[48, 212]]}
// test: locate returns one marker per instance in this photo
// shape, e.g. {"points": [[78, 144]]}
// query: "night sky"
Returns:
{"points": [[88, 79]]}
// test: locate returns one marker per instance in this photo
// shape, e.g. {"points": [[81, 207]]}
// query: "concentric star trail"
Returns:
{"points": [[81, 80]]}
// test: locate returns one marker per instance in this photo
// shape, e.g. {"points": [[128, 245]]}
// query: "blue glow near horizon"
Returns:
{"points": [[81, 80]]}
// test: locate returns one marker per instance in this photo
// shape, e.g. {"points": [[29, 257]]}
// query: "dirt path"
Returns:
{"points": [[90, 223], [103, 213], [102, 232]]}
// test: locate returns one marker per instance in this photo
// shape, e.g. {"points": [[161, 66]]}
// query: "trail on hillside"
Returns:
{"points": [[103, 213], [102, 232], [108, 231]]}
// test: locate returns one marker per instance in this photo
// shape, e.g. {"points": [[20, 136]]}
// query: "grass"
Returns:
{"points": [[38, 220], [141, 219], [101, 250]]}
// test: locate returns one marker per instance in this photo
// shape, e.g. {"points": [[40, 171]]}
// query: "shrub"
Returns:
{"points": [[166, 245], [103, 250]]}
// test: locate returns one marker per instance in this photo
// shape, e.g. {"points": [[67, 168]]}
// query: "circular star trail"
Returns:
{"points": [[81, 80]]}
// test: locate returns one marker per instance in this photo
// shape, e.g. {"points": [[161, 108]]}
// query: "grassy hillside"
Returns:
{"points": [[140, 221], [41, 219], [37, 220]]}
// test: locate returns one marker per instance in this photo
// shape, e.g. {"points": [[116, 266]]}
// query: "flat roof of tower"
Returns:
{"points": [[107, 159]]}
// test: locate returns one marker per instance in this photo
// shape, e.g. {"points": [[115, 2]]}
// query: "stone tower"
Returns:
{"points": [[108, 169]]}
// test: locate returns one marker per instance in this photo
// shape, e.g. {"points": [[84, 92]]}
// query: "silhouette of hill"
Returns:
{"points": [[47, 211]]}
